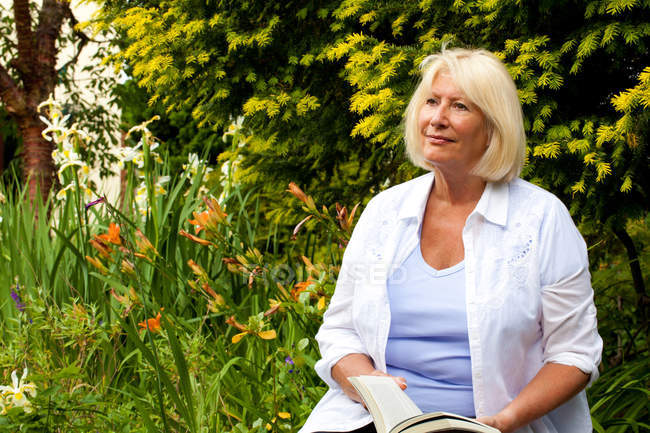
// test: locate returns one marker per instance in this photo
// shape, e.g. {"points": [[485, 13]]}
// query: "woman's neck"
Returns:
{"points": [[464, 189]]}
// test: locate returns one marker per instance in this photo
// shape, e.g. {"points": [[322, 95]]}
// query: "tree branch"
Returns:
{"points": [[83, 39], [25, 36], [11, 95], [637, 275]]}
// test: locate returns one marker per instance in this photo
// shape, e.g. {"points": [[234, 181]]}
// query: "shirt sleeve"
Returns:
{"points": [[337, 336], [569, 327]]}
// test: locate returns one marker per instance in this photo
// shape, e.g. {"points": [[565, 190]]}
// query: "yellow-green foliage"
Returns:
{"points": [[327, 85]]}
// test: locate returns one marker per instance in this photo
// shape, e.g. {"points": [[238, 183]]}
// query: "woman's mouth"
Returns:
{"points": [[437, 139]]}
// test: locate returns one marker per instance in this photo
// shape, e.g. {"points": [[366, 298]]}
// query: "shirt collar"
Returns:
{"points": [[493, 204], [415, 201]]}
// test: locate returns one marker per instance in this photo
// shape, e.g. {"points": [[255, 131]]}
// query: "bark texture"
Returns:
{"points": [[32, 80], [643, 299], [2, 155]]}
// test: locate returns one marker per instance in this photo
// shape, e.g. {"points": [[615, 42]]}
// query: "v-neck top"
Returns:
{"points": [[428, 342]]}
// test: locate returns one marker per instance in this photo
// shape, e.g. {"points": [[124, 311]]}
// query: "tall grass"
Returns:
{"points": [[88, 330]]}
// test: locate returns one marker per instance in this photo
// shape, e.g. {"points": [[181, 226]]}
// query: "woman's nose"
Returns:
{"points": [[439, 116]]}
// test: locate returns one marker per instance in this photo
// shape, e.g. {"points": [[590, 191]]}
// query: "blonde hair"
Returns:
{"points": [[484, 80]]}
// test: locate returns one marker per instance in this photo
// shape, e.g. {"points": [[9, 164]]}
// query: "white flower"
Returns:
{"points": [[55, 125], [88, 193], [135, 154], [68, 158], [193, 165], [80, 134], [228, 169], [50, 103], [16, 394], [142, 128], [127, 154], [142, 196], [233, 128], [158, 188]]}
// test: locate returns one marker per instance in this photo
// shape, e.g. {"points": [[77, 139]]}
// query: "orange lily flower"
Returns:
{"points": [[143, 243], [298, 288], [197, 269], [300, 195], [113, 235], [297, 192], [98, 264], [196, 239], [209, 219], [252, 328], [128, 300], [296, 229], [102, 247], [217, 214], [345, 220], [200, 220], [153, 324]]}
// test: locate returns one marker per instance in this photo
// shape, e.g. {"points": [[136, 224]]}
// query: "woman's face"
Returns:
{"points": [[453, 129]]}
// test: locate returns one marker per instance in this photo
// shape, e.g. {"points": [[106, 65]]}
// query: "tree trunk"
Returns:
{"points": [[35, 67], [2, 155], [38, 167], [643, 301]]}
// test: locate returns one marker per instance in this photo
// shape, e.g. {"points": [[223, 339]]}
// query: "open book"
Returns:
{"points": [[394, 412]]}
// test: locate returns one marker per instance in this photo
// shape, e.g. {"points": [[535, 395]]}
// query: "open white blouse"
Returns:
{"points": [[528, 294]]}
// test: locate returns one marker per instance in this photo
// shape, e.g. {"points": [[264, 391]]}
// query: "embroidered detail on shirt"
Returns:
{"points": [[523, 252], [512, 255]]}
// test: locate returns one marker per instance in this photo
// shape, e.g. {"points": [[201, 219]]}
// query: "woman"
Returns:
{"points": [[468, 284]]}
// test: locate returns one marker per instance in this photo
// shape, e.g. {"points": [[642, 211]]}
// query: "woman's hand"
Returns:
{"points": [[553, 385], [357, 364], [499, 421]]}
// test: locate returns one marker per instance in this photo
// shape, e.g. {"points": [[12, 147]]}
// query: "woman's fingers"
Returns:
{"points": [[491, 421], [400, 381]]}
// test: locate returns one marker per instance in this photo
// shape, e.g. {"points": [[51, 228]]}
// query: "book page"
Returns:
{"points": [[443, 421], [391, 404]]}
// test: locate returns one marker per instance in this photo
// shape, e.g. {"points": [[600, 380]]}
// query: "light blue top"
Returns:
{"points": [[428, 341]]}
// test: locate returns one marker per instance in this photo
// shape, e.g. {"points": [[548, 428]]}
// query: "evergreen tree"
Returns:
{"points": [[323, 86]]}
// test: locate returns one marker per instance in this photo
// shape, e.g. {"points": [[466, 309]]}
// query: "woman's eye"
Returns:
{"points": [[461, 106], [432, 101]]}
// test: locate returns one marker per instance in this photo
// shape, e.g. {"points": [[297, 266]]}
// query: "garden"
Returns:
{"points": [[251, 135]]}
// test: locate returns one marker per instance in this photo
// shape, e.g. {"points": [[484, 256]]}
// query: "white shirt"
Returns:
{"points": [[528, 293]]}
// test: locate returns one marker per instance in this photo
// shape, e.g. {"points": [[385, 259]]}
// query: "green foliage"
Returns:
{"points": [[324, 90], [129, 322], [231, 313], [619, 400], [166, 328], [177, 129], [263, 61], [193, 317]]}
